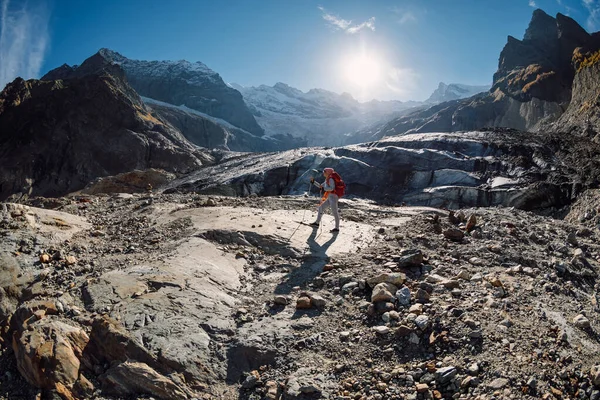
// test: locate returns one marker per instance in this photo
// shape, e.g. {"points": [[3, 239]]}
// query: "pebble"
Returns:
{"points": [[581, 322]]}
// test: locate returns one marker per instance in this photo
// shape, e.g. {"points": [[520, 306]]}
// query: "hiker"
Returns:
{"points": [[334, 189]]}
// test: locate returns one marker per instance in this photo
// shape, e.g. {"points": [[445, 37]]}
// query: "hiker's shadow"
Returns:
{"points": [[312, 263]]}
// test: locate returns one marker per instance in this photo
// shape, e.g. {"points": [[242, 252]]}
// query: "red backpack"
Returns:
{"points": [[340, 186]]}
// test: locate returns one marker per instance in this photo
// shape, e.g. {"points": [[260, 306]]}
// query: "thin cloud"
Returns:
{"points": [[23, 41], [407, 17], [404, 16], [402, 81], [532, 3], [345, 25], [594, 9]]}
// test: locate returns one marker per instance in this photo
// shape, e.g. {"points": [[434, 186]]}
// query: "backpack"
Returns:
{"points": [[340, 186]]}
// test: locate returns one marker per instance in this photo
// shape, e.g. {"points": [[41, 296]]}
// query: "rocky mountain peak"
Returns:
{"points": [[541, 27], [569, 28], [539, 66], [287, 89], [99, 64], [454, 91]]}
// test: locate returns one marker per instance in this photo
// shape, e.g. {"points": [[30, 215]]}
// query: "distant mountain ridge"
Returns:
{"points": [[320, 116], [454, 91]]}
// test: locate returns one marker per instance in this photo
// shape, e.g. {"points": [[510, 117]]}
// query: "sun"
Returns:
{"points": [[362, 70]]}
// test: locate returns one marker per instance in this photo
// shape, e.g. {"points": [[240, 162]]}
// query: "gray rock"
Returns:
{"points": [[403, 296]]}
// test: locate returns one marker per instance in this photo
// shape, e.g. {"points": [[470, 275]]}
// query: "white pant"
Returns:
{"points": [[332, 201]]}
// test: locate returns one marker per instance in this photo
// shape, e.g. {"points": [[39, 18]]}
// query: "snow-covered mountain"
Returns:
{"points": [[193, 85], [454, 91], [319, 116]]}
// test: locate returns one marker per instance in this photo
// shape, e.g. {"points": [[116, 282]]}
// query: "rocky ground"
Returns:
{"points": [[189, 296]]}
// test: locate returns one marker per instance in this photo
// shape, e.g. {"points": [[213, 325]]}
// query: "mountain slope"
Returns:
{"points": [[180, 83], [58, 135]]}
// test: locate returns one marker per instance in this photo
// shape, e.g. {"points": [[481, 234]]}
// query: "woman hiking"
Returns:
{"points": [[334, 189]]}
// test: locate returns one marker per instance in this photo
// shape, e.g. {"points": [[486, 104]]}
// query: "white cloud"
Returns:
{"points": [[532, 3], [594, 18], [402, 81], [23, 41], [404, 16], [345, 25], [407, 17]]}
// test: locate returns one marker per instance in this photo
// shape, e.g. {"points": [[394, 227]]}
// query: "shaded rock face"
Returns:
{"points": [[506, 168], [56, 136], [540, 65], [191, 84], [582, 115]]}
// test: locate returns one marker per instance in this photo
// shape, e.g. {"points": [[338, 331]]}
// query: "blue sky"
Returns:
{"points": [[384, 49]]}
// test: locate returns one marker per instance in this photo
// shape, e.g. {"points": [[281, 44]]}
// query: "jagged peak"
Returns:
{"points": [[541, 26]]}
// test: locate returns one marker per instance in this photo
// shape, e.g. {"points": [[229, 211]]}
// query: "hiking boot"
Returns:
{"points": [[334, 230]]}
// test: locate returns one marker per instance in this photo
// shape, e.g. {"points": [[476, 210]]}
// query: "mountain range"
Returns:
{"points": [[545, 81]]}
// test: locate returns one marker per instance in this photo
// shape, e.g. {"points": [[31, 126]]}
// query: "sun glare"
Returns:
{"points": [[362, 70]]}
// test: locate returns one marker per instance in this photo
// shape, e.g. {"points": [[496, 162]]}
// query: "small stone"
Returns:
{"points": [[581, 322], [463, 274], [445, 375], [381, 330], [473, 369], [422, 387], [572, 239], [403, 331], [595, 375], [476, 261], [413, 338], [416, 309], [70, 260], [454, 234], [281, 300], [498, 383], [422, 321], [318, 301], [395, 278], [327, 267], [383, 292], [303, 303], [471, 223], [403, 296], [45, 258]]}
